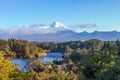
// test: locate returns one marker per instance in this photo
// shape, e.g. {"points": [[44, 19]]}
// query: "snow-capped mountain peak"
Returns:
{"points": [[34, 29], [57, 24]]}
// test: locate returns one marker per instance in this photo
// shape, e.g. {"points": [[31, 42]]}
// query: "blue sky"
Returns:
{"points": [[105, 14]]}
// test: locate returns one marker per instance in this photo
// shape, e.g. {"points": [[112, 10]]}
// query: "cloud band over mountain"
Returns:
{"points": [[35, 29], [86, 26], [55, 32]]}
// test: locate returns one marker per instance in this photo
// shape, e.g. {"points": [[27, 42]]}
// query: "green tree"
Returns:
{"points": [[100, 66]]}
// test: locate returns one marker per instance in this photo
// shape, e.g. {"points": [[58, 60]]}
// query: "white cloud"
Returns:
{"points": [[86, 25], [42, 29], [31, 29]]}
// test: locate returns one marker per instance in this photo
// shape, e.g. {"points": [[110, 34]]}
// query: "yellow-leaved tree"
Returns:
{"points": [[6, 68]]}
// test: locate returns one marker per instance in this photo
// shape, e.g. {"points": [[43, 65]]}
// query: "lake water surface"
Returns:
{"points": [[49, 58]]}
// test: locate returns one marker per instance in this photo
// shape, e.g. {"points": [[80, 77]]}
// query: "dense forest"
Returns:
{"points": [[83, 60], [20, 49]]}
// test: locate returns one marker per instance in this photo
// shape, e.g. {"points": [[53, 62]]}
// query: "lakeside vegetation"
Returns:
{"points": [[20, 49], [84, 60]]}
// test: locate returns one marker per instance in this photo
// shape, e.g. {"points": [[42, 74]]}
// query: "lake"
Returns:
{"points": [[49, 58]]}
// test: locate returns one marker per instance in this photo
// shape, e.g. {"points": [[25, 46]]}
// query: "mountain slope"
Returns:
{"points": [[54, 32]]}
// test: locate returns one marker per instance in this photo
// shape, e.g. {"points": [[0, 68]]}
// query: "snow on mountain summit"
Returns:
{"points": [[36, 29], [57, 24]]}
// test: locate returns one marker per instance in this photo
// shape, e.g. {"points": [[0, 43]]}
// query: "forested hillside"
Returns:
{"points": [[94, 59], [20, 49], [83, 60]]}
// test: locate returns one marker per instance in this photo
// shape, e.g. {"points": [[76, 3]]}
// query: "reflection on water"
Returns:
{"points": [[49, 58]]}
